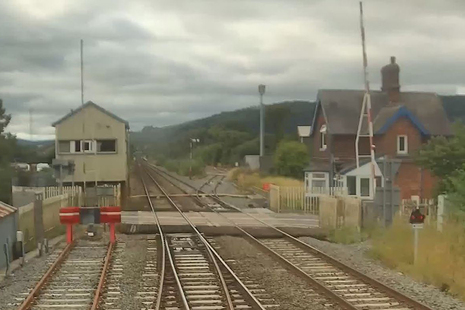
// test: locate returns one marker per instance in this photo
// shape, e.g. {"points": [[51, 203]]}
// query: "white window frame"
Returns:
{"points": [[323, 144], [91, 144], [405, 151]]}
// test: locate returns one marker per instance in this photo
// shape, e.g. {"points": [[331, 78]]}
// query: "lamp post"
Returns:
{"points": [[261, 91], [192, 141]]}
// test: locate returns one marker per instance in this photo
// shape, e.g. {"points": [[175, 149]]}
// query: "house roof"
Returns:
{"points": [[87, 104], [342, 111], [6, 209]]}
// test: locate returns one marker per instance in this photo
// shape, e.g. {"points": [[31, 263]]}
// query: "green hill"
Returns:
{"points": [[227, 136]]}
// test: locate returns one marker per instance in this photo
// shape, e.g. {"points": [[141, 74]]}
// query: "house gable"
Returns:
{"points": [[402, 111]]}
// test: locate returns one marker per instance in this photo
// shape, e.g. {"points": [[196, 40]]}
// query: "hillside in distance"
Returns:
{"points": [[247, 120], [300, 113]]}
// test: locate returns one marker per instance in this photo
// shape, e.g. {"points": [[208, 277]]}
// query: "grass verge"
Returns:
{"points": [[441, 255], [245, 179]]}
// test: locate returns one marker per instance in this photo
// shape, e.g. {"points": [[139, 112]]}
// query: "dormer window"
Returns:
{"points": [[323, 144]]}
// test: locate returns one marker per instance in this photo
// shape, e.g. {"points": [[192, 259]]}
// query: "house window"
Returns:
{"points": [[106, 146], [402, 144], [323, 144], [318, 180], [63, 147], [352, 185], [364, 187]]}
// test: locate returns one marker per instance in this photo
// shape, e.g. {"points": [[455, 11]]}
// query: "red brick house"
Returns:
{"points": [[402, 122]]}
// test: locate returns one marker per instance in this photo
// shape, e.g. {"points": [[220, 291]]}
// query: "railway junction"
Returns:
{"points": [[185, 247]]}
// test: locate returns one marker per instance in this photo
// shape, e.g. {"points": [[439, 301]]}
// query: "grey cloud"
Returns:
{"points": [[164, 62]]}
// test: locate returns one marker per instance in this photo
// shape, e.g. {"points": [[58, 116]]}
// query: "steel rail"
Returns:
{"points": [[27, 303], [243, 288], [163, 246], [295, 269], [185, 304], [357, 274], [101, 283]]}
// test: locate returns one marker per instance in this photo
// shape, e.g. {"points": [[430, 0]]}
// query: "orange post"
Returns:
{"points": [[112, 233], [69, 233]]}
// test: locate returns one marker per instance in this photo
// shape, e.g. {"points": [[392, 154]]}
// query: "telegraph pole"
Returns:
{"points": [[261, 91], [82, 71]]}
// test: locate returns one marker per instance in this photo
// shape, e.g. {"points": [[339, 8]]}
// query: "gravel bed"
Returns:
{"points": [[290, 291], [355, 255], [25, 278], [133, 260]]}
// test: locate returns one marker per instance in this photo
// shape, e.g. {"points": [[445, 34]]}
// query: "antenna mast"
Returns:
{"points": [[82, 71], [30, 124], [365, 115]]}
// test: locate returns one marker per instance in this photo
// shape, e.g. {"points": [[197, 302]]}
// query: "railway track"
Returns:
{"points": [[75, 280], [348, 287], [192, 274]]}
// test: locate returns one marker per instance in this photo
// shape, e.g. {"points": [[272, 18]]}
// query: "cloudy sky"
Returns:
{"points": [[165, 62]]}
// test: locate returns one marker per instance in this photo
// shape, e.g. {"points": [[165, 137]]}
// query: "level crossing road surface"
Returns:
{"points": [[216, 220]]}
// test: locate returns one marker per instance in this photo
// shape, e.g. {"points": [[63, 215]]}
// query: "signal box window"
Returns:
{"points": [[106, 146], [77, 146], [402, 145], [64, 147], [87, 146]]}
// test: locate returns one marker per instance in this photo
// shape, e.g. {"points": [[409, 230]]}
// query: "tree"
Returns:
{"points": [[7, 148], [290, 158], [444, 157], [276, 116]]}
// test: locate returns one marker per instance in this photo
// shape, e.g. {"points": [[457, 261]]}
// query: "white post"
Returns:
{"points": [[415, 245], [440, 215]]}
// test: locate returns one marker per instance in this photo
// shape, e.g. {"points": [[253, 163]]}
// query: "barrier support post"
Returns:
{"points": [[69, 233]]}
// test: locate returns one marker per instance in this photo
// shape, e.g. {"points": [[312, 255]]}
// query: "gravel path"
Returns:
{"points": [[355, 256], [290, 291]]}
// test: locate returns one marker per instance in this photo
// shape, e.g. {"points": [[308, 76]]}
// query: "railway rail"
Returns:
{"points": [[74, 280], [193, 275], [348, 287]]}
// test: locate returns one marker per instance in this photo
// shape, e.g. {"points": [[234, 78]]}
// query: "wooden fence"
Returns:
{"points": [[333, 211], [292, 199]]}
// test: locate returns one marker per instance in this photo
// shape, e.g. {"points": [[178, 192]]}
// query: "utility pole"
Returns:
{"points": [[191, 156], [82, 71], [30, 124], [261, 91]]}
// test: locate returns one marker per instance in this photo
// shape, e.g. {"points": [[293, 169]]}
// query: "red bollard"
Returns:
{"points": [[69, 233], [112, 233]]}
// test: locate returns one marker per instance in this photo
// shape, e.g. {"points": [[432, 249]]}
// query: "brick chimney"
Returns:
{"points": [[390, 80]]}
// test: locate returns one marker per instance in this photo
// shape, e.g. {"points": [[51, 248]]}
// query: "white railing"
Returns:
{"points": [[327, 191], [50, 191]]}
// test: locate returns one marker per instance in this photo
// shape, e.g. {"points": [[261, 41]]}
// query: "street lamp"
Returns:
{"points": [[192, 142], [192, 146], [261, 91]]}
